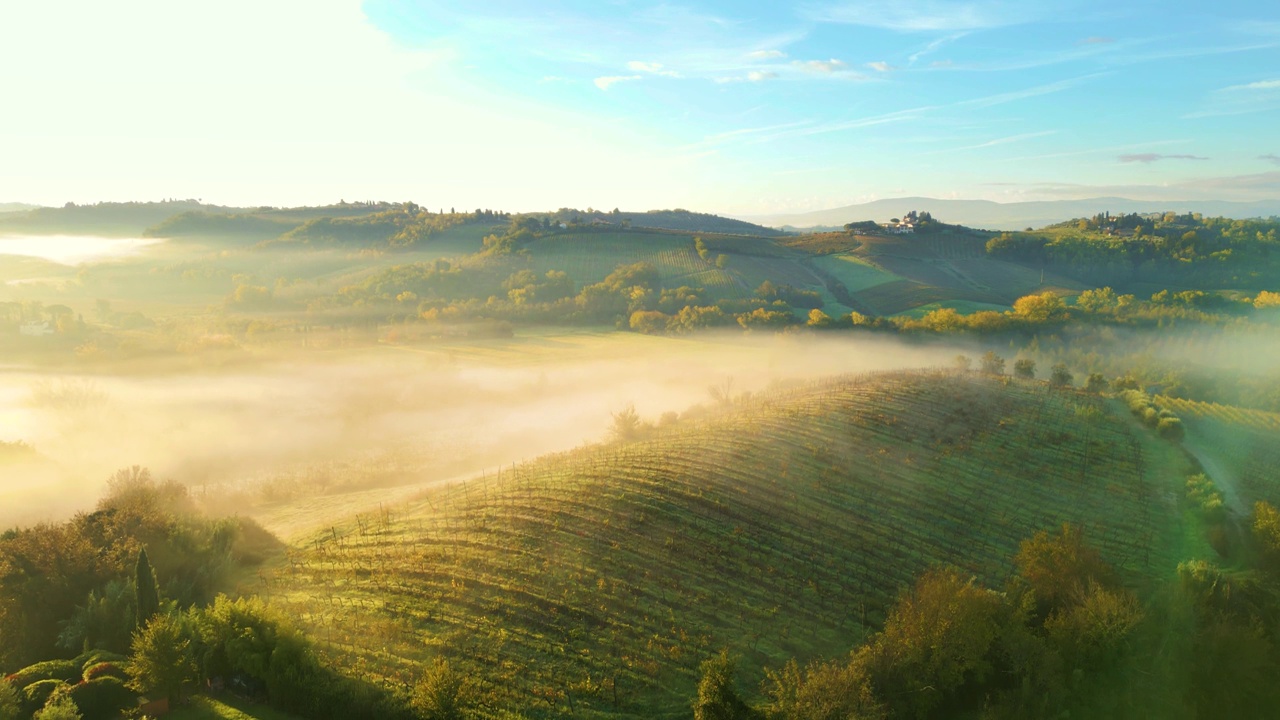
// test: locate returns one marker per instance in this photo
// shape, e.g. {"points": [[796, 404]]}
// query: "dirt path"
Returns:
{"points": [[1227, 482]]}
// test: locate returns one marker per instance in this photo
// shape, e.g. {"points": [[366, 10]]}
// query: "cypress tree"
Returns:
{"points": [[148, 598]]}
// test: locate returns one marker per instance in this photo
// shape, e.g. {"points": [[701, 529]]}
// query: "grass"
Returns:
{"points": [[855, 273], [964, 307], [203, 707], [592, 583]]}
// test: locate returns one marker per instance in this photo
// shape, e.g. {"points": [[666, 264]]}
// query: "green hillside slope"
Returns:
{"points": [[592, 583]]}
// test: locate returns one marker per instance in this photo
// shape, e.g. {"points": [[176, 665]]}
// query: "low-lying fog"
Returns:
{"points": [[73, 249], [389, 416]]}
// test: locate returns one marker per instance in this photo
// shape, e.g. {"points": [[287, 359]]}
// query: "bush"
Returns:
{"points": [[89, 658], [59, 707], [1025, 369], [1170, 428], [105, 669], [103, 698], [718, 697], [35, 695], [63, 670], [441, 694], [822, 691]]}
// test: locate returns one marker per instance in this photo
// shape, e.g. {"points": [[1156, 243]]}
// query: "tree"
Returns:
{"points": [[821, 691], [1060, 568], [1266, 534], [818, 319], [627, 425], [936, 639], [992, 364], [718, 697], [963, 363], [59, 707], [163, 660], [1043, 308], [441, 693], [1025, 368], [1060, 376], [147, 598], [10, 703], [1096, 383]]}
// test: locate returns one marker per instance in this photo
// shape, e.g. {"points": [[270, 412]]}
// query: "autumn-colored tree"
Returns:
{"points": [[718, 697], [1060, 376], [1043, 308], [821, 691], [1059, 568], [936, 639], [441, 693]]}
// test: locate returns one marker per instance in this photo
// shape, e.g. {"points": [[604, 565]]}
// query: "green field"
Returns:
{"points": [[225, 708], [855, 273], [592, 583], [963, 307]]}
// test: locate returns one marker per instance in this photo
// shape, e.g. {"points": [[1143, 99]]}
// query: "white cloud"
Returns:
{"points": [[1260, 85], [761, 75], [608, 81], [766, 54], [931, 15], [821, 66], [880, 66]]}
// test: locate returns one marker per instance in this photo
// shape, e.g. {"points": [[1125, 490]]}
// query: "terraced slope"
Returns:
{"points": [[591, 584]]}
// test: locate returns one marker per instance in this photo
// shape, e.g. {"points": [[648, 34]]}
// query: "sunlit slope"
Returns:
{"points": [[1238, 447], [592, 583]]}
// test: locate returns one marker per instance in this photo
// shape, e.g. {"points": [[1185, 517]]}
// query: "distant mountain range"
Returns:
{"points": [[16, 207], [1008, 216]]}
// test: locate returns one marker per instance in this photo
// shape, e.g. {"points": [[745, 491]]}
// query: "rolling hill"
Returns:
{"points": [[592, 583], [1007, 216]]}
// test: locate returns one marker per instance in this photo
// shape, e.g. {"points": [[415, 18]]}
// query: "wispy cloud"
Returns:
{"points": [[1271, 158], [653, 68], [608, 81], [1260, 85], [766, 54], [1097, 40], [1148, 158], [761, 75], [1046, 89], [1257, 96], [933, 47], [821, 66], [929, 15], [880, 66], [993, 143]]}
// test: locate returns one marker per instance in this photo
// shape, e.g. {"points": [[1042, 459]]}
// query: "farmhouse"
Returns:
{"points": [[899, 227], [34, 328]]}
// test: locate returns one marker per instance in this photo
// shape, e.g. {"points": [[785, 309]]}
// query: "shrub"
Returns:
{"points": [[59, 707], [103, 698], [35, 695], [441, 694], [1025, 369], [62, 670], [1170, 428], [89, 658], [822, 691], [105, 669]]}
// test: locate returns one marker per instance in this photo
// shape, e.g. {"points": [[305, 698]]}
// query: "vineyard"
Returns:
{"points": [[588, 258], [1246, 442], [592, 583]]}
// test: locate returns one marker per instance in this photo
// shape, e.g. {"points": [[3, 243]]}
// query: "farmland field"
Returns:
{"points": [[591, 583]]}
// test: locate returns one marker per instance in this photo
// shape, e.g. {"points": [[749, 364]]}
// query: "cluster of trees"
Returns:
{"points": [[401, 228], [70, 586], [1212, 251], [1143, 407], [1064, 637], [950, 647]]}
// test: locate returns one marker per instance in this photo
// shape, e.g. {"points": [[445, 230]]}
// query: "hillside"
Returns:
{"points": [[1008, 216], [592, 583]]}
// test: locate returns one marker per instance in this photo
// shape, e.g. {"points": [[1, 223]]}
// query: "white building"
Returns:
{"points": [[35, 329]]}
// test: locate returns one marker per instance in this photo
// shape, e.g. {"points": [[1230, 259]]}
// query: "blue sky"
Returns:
{"points": [[735, 107]]}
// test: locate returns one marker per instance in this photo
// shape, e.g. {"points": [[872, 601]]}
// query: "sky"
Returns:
{"points": [[739, 107]]}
